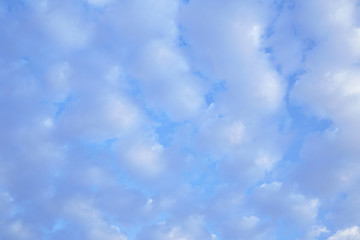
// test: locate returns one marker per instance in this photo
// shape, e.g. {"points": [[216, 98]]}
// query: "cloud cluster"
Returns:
{"points": [[179, 120]]}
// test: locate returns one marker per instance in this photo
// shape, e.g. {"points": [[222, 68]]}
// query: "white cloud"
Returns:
{"points": [[315, 232], [279, 202], [67, 29], [146, 159], [92, 222], [352, 233], [59, 82], [101, 117], [168, 83], [229, 38], [328, 89], [220, 135]]}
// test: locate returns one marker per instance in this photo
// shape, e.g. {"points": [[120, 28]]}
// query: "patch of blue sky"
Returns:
{"points": [[131, 232], [216, 88], [269, 30], [271, 58], [61, 106], [129, 183], [308, 44], [182, 42], [15, 211], [185, 1], [60, 224], [164, 128], [12, 5], [133, 88], [203, 175], [213, 230], [94, 148], [288, 230], [302, 124]]}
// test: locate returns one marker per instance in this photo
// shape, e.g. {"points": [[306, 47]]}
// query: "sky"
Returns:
{"points": [[180, 119]]}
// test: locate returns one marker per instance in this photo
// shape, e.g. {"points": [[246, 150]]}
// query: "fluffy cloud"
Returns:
{"points": [[328, 89], [228, 39], [91, 221], [179, 119], [280, 202], [352, 233], [325, 88]]}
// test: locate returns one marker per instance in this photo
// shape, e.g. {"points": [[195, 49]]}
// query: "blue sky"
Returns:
{"points": [[180, 120]]}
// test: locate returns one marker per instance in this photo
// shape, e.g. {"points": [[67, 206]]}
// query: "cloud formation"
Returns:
{"points": [[179, 120]]}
